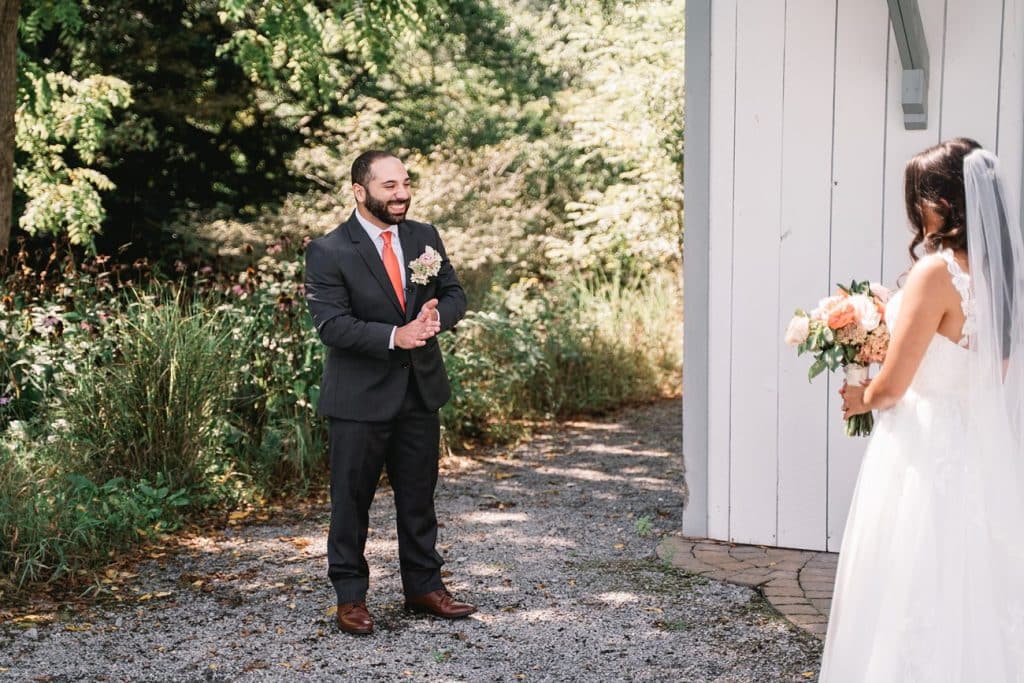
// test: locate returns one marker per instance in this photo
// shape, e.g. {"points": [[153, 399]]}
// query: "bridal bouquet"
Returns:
{"points": [[846, 330]]}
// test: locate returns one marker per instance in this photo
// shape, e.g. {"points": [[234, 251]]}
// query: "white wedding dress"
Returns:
{"points": [[930, 582]]}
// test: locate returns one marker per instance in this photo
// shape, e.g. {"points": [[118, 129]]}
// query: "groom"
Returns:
{"points": [[383, 382]]}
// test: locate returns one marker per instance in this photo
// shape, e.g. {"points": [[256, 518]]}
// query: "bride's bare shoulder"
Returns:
{"points": [[930, 273]]}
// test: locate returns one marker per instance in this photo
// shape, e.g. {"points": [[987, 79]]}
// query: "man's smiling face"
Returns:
{"points": [[388, 193]]}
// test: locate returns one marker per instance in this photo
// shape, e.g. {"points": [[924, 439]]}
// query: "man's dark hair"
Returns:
{"points": [[361, 166]]}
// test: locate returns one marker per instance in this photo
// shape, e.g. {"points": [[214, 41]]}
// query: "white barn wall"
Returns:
{"points": [[803, 246], [760, 37], [1010, 132], [807, 149], [722, 174], [862, 43], [970, 74]]}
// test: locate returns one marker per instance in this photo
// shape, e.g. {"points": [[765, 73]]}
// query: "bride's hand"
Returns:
{"points": [[853, 399]]}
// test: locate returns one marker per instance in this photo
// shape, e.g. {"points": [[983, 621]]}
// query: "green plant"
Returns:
{"points": [[674, 625], [154, 410], [54, 524], [273, 433], [492, 363], [589, 345], [644, 525]]}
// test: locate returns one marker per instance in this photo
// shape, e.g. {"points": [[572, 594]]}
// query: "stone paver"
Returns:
{"points": [[797, 583]]}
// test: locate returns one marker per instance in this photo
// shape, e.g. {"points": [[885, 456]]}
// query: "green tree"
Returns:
{"points": [[186, 103], [624, 113]]}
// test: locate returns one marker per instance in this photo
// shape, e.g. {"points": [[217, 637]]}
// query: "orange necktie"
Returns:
{"points": [[391, 265]]}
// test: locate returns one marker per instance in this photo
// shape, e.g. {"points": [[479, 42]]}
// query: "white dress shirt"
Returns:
{"points": [[374, 233]]}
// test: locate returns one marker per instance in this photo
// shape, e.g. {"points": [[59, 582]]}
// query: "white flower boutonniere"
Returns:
{"points": [[428, 265]]}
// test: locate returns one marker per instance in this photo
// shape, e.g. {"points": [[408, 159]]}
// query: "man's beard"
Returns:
{"points": [[380, 209]]}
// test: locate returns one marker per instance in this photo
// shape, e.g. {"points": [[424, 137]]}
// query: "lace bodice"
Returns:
{"points": [[962, 283], [943, 370]]}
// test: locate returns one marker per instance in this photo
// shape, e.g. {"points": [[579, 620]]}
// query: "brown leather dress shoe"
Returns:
{"points": [[440, 603], [353, 617]]}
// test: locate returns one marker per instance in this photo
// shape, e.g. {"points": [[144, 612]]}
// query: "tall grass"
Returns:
{"points": [[598, 343], [625, 344], [157, 408], [134, 439]]}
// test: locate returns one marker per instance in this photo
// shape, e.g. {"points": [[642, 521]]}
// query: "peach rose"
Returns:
{"points": [[842, 315], [826, 306]]}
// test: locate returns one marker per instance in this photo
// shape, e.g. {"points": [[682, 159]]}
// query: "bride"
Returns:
{"points": [[930, 583]]}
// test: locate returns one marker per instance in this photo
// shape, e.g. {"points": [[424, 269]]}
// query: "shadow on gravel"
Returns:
{"points": [[554, 541]]}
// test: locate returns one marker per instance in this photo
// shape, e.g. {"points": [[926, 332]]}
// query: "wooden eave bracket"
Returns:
{"points": [[905, 16]]}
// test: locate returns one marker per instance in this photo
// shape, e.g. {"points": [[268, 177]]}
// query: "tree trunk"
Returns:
{"points": [[9, 11]]}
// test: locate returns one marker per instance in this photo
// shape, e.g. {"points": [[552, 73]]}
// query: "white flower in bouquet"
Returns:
{"points": [[824, 307], [798, 330], [880, 292], [867, 311]]}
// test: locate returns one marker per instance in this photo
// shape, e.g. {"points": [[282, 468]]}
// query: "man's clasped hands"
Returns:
{"points": [[424, 326]]}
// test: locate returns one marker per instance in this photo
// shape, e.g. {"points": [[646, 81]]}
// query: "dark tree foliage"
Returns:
{"points": [[224, 92], [194, 135]]}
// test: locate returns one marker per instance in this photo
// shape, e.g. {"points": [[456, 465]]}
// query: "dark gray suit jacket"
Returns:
{"points": [[354, 309]]}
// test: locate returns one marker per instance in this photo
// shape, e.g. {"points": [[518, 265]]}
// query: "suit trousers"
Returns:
{"points": [[408, 445]]}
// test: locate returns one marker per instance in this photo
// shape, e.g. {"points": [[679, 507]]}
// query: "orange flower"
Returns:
{"points": [[841, 316]]}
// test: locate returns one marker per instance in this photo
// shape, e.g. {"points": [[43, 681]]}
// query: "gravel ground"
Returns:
{"points": [[554, 541]]}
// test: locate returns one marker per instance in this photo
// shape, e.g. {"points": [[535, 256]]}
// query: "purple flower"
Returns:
{"points": [[4, 400], [237, 290]]}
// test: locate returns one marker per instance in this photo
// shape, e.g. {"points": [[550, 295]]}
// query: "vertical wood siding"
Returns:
{"points": [[807, 154], [722, 135], [806, 214], [759, 59], [862, 43]]}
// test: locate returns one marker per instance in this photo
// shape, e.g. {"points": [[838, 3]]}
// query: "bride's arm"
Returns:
{"points": [[928, 296]]}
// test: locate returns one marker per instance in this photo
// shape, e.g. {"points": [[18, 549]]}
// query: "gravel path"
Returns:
{"points": [[553, 541]]}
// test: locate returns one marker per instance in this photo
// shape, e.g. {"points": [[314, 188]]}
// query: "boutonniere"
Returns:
{"points": [[428, 265]]}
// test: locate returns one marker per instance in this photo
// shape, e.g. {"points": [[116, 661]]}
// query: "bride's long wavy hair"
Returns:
{"points": [[936, 177]]}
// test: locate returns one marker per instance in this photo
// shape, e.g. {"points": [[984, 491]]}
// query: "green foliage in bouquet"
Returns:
{"points": [[830, 353], [846, 330]]}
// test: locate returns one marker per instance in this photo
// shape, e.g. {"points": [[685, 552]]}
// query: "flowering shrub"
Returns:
{"points": [[54, 319], [275, 432], [57, 321], [108, 376]]}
